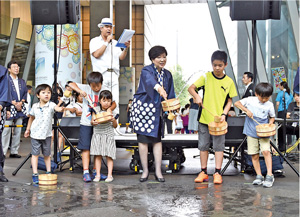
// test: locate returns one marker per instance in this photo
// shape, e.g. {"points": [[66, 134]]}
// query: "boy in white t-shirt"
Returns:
{"points": [[262, 110], [40, 128], [90, 91]]}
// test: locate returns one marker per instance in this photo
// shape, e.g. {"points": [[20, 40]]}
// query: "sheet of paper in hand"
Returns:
{"points": [[126, 36]]}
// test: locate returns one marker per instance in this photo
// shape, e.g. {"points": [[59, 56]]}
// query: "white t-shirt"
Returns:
{"points": [[86, 116], [102, 63], [16, 84], [76, 105], [41, 127], [261, 113], [28, 104]]}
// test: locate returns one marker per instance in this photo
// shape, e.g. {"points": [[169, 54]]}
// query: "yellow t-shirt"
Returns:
{"points": [[216, 91]]}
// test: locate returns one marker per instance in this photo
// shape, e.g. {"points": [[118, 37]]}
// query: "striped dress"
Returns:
{"points": [[103, 141]]}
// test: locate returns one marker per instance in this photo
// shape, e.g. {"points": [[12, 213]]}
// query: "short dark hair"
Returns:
{"points": [[11, 62], [105, 94], [219, 55], [249, 75], [295, 94], [41, 87], [130, 100], [29, 87], [94, 77], [67, 84], [60, 92], [264, 89], [156, 51]]}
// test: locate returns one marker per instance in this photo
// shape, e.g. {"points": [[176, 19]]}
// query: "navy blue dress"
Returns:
{"points": [[146, 107]]}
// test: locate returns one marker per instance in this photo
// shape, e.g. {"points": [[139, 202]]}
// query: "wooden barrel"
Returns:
{"points": [[171, 116], [217, 129], [170, 104], [48, 187], [47, 179], [103, 117], [67, 93], [265, 130]]}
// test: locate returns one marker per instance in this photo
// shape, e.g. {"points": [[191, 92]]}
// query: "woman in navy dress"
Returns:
{"points": [[156, 84]]}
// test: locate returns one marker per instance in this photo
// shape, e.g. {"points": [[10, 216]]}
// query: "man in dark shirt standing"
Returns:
{"points": [[247, 80]]}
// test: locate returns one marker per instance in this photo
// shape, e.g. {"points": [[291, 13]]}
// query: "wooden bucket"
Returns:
{"points": [[103, 117], [171, 116], [170, 104], [47, 179], [217, 129], [265, 130], [67, 93], [217, 119]]}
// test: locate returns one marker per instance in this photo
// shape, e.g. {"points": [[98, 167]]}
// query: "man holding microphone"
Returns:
{"points": [[106, 58]]}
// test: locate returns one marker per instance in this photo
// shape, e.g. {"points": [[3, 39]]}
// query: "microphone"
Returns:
{"points": [[110, 41], [284, 90]]}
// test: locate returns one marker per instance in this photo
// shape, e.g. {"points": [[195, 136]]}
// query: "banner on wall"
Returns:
{"points": [[69, 54], [279, 76], [126, 84]]}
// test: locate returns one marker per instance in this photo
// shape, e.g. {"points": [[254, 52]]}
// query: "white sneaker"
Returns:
{"points": [[259, 180], [96, 179], [268, 183], [109, 179]]}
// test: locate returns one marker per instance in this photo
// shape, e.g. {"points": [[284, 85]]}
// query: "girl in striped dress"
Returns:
{"points": [[103, 142]]}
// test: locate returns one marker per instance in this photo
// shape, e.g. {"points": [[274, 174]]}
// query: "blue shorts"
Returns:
{"points": [[85, 137]]}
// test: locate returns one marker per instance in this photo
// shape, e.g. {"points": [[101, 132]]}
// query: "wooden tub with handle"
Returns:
{"points": [[170, 104], [217, 129], [48, 179], [265, 130]]}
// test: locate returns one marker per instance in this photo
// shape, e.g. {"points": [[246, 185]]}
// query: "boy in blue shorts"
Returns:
{"points": [[90, 91], [40, 128], [262, 110], [219, 90]]}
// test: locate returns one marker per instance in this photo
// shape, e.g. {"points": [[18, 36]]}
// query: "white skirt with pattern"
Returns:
{"points": [[103, 142]]}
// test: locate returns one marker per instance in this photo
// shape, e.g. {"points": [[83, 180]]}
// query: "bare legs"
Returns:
{"points": [[34, 163], [110, 165], [143, 151], [157, 152], [218, 159], [268, 161], [85, 159], [97, 163]]}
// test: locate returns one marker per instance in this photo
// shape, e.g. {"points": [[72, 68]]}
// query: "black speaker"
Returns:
{"points": [[235, 128], [55, 12], [255, 9], [70, 126]]}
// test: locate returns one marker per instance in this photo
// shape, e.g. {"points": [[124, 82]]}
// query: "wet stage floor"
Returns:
{"points": [[126, 196]]}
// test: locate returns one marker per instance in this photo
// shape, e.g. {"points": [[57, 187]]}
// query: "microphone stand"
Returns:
{"points": [[284, 122]]}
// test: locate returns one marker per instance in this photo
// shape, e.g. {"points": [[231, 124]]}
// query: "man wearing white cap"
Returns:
{"points": [[105, 58]]}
